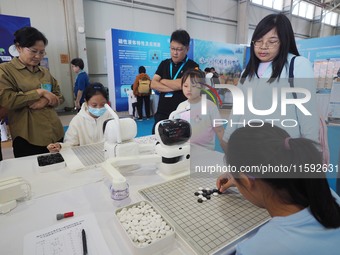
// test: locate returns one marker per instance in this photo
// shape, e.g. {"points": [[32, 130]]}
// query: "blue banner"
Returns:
{"points": [[320, 48], [8, 25], [131, 50], [227, 59]]}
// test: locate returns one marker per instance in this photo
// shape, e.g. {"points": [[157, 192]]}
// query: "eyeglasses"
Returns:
{"points": [[177, 49], [268, 44], [34, 52]]}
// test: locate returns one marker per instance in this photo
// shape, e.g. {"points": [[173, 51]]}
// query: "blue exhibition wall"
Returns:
{"points": [[8, 25], [227, 59], [320, 48], [133, 49], [324, 53]]}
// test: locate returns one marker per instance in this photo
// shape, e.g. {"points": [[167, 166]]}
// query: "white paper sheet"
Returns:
{"points": [[66, 238]]}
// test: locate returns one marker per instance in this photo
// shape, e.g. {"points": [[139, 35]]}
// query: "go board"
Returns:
{"points": [[211, 227]]}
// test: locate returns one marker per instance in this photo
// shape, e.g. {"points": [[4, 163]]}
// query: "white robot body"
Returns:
{"points": [[175, 159], [172, 151]]}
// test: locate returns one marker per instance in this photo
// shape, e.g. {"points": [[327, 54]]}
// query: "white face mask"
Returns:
{"points": [[97, 111]]}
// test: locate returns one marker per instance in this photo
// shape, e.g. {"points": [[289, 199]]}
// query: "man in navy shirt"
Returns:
{"points": [[167, 79]]}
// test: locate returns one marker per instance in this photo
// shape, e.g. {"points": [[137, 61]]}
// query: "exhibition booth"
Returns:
{"points": [[127, 50]]}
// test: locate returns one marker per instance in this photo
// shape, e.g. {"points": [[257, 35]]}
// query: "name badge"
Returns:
{"points": [[47, 87], [169, 94]]}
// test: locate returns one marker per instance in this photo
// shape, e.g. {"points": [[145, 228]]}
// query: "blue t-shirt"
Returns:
{"points": [[296, 234], [82, 81]]}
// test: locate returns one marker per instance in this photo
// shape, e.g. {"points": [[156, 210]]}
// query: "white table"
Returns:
{"points": [[62, 191], [84, 193]]}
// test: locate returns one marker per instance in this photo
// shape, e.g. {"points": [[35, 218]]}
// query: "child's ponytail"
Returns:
{"points": [[314, 188]]}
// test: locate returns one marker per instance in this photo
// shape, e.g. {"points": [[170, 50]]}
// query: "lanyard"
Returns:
{"points": [[180, 68]]}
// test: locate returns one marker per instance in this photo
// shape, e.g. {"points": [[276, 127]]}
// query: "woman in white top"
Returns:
{"points": [[87, 126], [266, 74]]}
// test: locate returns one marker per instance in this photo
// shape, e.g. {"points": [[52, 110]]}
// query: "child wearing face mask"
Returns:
{"points": [[87, 126]]}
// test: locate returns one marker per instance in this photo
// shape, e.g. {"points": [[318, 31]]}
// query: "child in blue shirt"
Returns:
{"points": [[305, 213], [82, 81]]}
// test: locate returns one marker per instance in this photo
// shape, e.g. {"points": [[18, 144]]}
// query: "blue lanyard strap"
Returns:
{"points": [[180, 68]]}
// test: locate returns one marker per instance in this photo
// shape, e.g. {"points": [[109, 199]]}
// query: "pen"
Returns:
{"points": [[83, 238]]}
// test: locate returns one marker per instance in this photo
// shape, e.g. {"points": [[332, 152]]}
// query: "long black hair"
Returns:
{"points": [[287, 45], [270, 145]]}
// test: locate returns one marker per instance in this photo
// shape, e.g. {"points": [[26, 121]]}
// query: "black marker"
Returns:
{"points": [[83, 238]]}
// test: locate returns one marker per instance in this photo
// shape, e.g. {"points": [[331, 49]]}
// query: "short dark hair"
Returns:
{"points": [[28, 36], [287, 45], [207, 69], [141, 69], [78, 62], [180, 36], [95, 89]]}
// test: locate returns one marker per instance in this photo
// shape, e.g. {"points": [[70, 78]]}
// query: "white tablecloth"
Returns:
{"points": [[82, 192]]}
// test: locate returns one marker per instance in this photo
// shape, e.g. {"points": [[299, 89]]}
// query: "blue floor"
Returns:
{"points": [[144, 127]]}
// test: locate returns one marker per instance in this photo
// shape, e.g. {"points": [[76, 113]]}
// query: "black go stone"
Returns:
{"points": [[50, 159], [208, 197], [200, 200], [196, 193]]}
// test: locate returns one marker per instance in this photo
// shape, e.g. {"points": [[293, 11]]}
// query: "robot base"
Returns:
{"points": [[175, 159]]}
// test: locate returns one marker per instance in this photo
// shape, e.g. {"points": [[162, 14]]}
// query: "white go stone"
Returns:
{"points": [[143, 224], [141, 238]]}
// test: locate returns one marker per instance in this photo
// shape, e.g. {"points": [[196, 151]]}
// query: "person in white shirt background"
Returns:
{"points": [[272, 48], [133, 101], [87, 126]]}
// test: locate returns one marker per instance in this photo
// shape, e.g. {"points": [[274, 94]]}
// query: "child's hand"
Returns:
{"points": [[54, 147], [224, 182]]}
